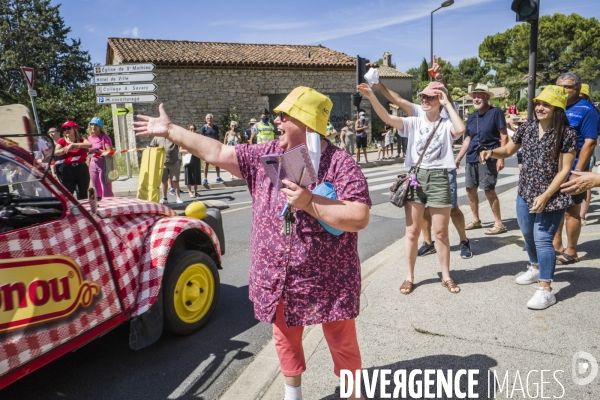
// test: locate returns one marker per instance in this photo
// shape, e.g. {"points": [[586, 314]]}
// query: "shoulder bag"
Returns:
{"points": [[399, 190]]}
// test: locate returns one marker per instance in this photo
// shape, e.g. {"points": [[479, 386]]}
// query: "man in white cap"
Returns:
{"points": [[249, 131], [308, 275], [486, 128]]}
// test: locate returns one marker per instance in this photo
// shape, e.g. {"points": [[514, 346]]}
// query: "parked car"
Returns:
{"points": [[71, 270]]}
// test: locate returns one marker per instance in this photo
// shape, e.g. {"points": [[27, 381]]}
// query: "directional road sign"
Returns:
{"points": [[142, 98], [141, 87], [123, 111], [116, 69], [124, 78]]}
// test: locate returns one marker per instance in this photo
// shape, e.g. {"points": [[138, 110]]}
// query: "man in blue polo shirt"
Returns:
{"points": [[485, 127], [584, 118]]}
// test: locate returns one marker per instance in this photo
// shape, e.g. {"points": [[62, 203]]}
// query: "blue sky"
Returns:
{"points": [[367, 28]]}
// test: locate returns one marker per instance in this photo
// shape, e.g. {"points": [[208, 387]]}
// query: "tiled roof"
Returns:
{"points": [[212, 54], [389, 72]]}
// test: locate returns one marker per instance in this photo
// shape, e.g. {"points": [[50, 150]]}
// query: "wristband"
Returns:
{"points": [[492, 152], [309, 201]]}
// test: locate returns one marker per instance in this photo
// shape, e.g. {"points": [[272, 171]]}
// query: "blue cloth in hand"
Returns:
{"points": [[326, 189]]}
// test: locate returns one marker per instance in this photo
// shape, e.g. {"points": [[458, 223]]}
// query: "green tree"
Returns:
{"points": [[565, 43], [470, 70], [33, 34]]}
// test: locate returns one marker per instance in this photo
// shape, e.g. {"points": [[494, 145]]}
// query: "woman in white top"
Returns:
{"points": [[432, 175]]}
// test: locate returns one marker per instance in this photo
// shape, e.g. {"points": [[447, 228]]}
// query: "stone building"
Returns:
{"points": [[196, 78]]}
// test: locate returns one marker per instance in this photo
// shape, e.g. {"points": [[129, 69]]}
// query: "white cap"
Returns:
{"points": [[361, 113]]}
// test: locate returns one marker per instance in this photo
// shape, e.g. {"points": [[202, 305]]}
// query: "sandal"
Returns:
{"points": [[406, 287], [565, 259], [496, 229], [473, 225], [451, 286]]}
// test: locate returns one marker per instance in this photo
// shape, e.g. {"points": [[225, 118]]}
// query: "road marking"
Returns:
{"points": [[191, 380], [237, 209]]}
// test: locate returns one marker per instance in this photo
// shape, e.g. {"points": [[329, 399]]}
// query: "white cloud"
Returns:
{"points": [[135, 32], [362, 20], [90, 28]]}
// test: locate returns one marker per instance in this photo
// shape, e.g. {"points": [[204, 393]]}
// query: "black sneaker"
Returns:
{"points": [[426, 249], [465, 249]]}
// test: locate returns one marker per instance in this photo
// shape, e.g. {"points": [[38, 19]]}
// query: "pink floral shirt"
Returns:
{"points": [[316, 273]]}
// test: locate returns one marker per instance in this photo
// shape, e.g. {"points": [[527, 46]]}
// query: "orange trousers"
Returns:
{"points": [[341, 339]]}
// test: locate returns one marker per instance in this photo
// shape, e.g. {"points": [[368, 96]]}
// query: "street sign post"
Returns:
{"points": [[137, 88], [107, 79], [124, 78], [142, 98], [123, 68], [29, 75]]}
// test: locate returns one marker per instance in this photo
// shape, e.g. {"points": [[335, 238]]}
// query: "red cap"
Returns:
{"points": [[69, 124]]}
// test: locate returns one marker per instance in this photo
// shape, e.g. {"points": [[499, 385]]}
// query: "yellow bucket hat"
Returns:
{"points": [[309, 107], [554, 95], [585, 89]]}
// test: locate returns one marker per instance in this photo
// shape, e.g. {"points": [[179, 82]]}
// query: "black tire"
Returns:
{"points": [[196, 272]]}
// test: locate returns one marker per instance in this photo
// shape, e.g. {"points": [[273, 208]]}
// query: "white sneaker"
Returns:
{"points": [[532, 275], [163, 201], [541, 299], [179, 201]]}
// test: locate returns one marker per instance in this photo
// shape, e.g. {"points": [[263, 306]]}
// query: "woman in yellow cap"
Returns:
{"points": [[548, 145], [305, 275]]}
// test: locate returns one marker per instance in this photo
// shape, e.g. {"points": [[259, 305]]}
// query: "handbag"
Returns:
{"points": [[110, 173], [187, 158], [399, 189]]}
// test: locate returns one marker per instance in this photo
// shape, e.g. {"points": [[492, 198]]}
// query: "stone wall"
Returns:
{"points": [[189, 94]]}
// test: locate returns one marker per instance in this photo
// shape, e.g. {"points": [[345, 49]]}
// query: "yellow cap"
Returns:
{"points": [[197, 209], [554, 95], [309, 107], [585, 89]]}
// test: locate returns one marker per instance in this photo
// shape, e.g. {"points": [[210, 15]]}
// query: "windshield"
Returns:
{"points": [[17, 174]]}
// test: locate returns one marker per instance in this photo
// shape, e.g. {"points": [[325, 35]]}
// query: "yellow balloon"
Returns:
{"points": [[197, 209]]}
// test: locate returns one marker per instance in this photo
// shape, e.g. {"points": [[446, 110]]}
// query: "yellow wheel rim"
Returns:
{"points": [[194, 293]]}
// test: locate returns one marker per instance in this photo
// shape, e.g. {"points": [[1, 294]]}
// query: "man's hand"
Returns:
{"points": [[297, 196], [499, 165], [457, 162], [150, 126], [579, 182]]}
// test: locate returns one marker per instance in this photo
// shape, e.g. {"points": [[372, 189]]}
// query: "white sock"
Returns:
{"points": [[293, 392]]}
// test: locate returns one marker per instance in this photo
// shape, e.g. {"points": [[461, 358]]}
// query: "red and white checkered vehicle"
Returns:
{"points": [[72, 270]]}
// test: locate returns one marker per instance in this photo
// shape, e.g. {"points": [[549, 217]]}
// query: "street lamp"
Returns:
{"points": [[447, 3]]}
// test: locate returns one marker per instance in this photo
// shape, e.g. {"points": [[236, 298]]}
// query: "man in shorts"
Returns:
{"points": [[361, 136], [584, 118], [458, 218], [171, 168], [486, 127]]}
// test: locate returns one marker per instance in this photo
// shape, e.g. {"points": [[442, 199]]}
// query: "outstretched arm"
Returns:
{"points": [[212, 151], [395, 98], [396, 122]]}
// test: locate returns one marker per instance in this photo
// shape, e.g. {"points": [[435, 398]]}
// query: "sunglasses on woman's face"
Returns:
{"points": [[426, 97], [282, 116]]}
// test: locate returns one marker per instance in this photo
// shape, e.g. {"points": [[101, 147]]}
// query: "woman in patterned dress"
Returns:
{"points": [[548, 146]]}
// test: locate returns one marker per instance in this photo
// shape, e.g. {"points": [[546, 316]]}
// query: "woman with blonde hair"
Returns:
{"points": [[430, 150], [100, 142]]}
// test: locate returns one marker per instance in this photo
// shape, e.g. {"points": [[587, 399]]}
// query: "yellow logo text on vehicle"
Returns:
{"points": [[40, 289]]}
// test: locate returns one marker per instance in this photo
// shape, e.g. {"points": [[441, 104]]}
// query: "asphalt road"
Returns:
{"points": [[203, 365]]}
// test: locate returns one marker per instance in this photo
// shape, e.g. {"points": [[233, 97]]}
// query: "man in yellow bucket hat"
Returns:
{"points": [[309, 275]]}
